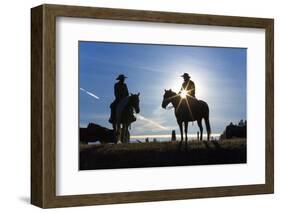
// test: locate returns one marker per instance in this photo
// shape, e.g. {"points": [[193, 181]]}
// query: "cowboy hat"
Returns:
{"points": [[121, 77], [185, 75]]}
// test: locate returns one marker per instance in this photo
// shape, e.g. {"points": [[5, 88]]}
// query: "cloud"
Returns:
{"points": [[130, 66]]}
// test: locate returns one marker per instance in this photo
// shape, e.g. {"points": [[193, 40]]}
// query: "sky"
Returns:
{"points": [[219, 75]]}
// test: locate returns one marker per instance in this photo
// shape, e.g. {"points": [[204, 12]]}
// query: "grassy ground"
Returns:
{"points": [[135, 155]]}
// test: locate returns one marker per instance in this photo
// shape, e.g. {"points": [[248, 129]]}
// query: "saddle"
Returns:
{"points": [[120, 108]]}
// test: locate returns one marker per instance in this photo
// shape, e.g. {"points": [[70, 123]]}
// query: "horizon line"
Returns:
{"points": [[169, 135]]}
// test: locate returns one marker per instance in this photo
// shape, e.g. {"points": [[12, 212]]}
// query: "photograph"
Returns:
{"points": [[140, 105], [155, 105]]}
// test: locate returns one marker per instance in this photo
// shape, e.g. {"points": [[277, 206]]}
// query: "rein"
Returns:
{"points": [[170, 107]]}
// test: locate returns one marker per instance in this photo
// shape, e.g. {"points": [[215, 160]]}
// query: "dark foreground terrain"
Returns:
{"points": [[136, 155]]}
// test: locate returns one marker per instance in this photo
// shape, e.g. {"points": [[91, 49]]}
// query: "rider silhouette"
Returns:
{"points": [[120, 92], [188, 85]]}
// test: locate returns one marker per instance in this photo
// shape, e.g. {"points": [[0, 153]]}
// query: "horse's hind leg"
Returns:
{"points": [[123, 129], [208, 127], [114, 126], [199, 122], [185, 133], [125, 133]]}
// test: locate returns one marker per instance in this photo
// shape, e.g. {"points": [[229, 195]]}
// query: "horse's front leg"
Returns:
{"points": [[114, 132], [118, 132], [181, 131], [199, 122], [123, 132]]}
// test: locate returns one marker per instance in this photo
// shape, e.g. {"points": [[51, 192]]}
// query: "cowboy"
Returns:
{"points": [[120, 88], [120, 92], [188, 85]]}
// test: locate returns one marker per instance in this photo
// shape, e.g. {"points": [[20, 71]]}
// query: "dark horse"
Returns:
{"points": [[95, 132], [124, 110], [188, 109]]}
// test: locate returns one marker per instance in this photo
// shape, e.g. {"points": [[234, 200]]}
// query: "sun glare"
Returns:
{"points": [[183, 94], [198, 75]]}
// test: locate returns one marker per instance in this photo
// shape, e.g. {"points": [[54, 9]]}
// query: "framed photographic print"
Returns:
{"points": [[137, 106]]}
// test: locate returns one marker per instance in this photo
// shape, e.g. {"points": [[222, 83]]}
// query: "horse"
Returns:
{"points": [[95, 132], [188, 109], [124, 113]]}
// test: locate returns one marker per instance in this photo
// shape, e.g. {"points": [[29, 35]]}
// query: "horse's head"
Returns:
{"points": [[167, 97], [135, 102]]}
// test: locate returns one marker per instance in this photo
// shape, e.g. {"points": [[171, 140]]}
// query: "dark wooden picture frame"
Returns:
{"points": [[43, 105]]}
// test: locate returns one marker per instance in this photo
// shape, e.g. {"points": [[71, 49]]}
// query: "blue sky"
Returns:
{"points": [[219, 75]]}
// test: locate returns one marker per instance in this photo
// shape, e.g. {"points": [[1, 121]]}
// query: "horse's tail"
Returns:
{"points": [[207, 122]]}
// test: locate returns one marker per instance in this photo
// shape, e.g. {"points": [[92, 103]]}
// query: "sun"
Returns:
{"points": [[199, 76], [183, 94]]}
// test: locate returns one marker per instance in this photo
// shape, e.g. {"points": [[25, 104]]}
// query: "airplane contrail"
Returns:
{"points": [[151, 122], [89, 93]]}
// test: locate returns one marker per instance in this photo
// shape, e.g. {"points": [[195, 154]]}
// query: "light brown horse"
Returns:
{"points": [[188, 109]]}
